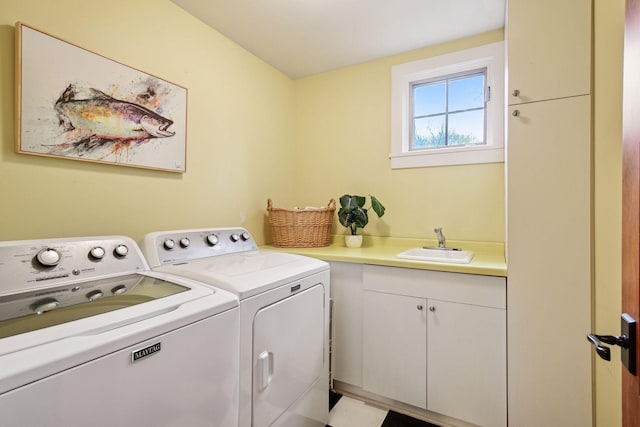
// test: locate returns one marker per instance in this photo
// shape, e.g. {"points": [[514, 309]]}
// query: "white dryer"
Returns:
{"points": [[284, 319], [89, 336]]}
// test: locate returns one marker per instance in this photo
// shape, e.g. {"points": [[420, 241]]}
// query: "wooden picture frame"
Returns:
{"points": [[75, 104]]}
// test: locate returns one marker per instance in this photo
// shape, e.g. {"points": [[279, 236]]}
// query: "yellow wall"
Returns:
{"points": [[343, 142], [608, 47], [248, 124], [240, 129], [241, 138]]}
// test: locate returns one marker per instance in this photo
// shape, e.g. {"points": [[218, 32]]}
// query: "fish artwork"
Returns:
{"points": [[92, 119]]}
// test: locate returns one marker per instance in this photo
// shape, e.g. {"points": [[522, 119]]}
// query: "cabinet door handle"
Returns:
{"points": [[516, 92], [419, 307], [515, 113], [432, 308]]}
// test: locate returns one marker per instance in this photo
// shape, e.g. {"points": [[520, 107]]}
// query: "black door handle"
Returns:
{"points": [[603, 351], [627, 341]]}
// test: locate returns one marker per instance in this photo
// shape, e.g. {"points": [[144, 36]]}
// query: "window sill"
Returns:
{"points": [[447, 157]]}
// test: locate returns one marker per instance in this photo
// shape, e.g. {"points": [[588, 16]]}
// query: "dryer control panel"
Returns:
{"points": [[173, 247], [36, 264]]}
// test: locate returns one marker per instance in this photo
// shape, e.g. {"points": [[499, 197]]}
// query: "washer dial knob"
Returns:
{"points": [[121, 251], [245, 236], [45, 305], [94, 295], [97, 252], [185, 242], [48, 257], [169, 244], [234, 237], [120, 289], [212, 239]]}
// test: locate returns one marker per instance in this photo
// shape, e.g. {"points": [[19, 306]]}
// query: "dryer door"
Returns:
{"points": [[287, 352]]}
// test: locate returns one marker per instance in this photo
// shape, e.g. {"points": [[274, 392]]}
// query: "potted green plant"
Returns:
{"points": [[353, 215]]}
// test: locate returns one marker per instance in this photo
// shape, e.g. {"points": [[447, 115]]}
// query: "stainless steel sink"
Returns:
{"points": [[447, 255]]}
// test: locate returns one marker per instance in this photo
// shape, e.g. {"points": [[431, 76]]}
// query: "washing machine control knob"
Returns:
{"points": [[169, 244], [45, 305], [97, 252], [121, 251], [185, 242], [245, 236], [48, 257], [120, 289], [212, 239], [94, 295], [234, 237]]}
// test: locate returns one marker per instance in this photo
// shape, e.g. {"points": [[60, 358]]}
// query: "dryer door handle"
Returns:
{"points": [[265, 369]]}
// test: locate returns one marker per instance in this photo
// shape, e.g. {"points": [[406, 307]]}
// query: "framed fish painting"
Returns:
{"points": [[76, 104]]}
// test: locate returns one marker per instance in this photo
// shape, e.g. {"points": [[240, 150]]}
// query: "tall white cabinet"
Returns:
{"points": [[549, 212]]}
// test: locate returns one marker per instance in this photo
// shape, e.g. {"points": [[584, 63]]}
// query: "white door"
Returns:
{"points": [[549, 49], [288, 353], [549, 223], [466, 359], [394, 347]]}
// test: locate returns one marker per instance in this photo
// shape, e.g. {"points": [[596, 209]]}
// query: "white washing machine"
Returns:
{"points": [[284, 319], [89, 336]]}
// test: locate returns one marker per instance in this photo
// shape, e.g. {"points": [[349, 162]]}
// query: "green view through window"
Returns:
{"points": [[449, 111]]}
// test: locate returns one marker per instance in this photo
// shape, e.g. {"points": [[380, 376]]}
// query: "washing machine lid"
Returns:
{"points": [[147, 295], [248, 273], [38, 309]]}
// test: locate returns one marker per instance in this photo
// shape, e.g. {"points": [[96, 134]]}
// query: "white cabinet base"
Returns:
{"points": [[435, 365], [346, 293]]}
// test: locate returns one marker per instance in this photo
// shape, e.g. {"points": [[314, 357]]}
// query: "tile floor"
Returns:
{"points": [[350, 412]]}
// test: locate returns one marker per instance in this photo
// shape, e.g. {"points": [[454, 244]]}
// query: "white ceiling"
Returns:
{"points": [[305, 37]]}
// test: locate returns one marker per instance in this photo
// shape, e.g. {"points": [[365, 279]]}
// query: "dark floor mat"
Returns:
{"points": [[395, 419], [333, 398]]}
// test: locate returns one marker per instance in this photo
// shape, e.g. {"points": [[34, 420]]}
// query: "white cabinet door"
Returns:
{"points": [[466, 359], [549, 259], [548, 49], [394, 347], [346, 345]]}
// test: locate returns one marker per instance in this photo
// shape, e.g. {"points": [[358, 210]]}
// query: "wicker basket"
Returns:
{"points": [[301, 228]]}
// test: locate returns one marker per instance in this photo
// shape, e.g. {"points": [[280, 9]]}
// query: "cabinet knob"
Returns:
{"points": [[515, 113], [419, 307], [432, 308], [516, 92]]}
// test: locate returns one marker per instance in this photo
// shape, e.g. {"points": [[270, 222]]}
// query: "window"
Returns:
{"points": [[448, 110]]}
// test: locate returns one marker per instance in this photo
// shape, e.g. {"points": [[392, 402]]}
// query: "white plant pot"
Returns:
{"points": [[353, 241]]}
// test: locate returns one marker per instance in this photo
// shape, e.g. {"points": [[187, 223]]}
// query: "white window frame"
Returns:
{"points": [[491, 57]]}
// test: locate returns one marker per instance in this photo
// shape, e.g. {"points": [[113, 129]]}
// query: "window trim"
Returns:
{"points": [[491, 57]]}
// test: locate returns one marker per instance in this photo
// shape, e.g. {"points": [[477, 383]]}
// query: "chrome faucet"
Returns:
{"points": [[440, 237]]}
